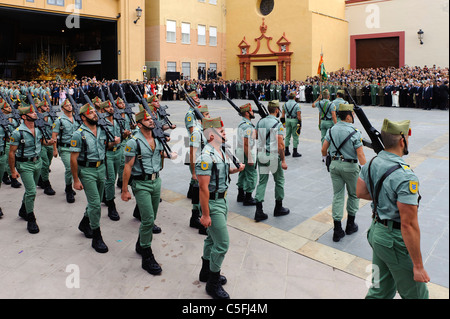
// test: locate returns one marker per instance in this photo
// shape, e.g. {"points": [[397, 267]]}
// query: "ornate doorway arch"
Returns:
{"points": [[282, 55]]}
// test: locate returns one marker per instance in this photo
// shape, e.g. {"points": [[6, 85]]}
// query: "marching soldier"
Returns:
{"points": [[87, 162], [340, 99], [4, 136], [24, 154], [270, 159], [213, 171], [143, 161], [128, 127], [63, 129], [292, 118], [327, 113], [394, 234], [190, 121], [246, 154], [344, 144]]}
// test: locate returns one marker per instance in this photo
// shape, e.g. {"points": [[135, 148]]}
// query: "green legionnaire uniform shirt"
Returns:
{"points": [[246, 129], [91, 148], [190, 120], [339, 133], [65, 129], [151, 159], [213, 164], [266, 127], [29, 146]]}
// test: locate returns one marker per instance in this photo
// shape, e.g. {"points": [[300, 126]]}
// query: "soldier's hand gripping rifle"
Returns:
{"points": [[75, 108], [40, 123], [157, 131], [375, 143], [262, 111], [128, 109]]}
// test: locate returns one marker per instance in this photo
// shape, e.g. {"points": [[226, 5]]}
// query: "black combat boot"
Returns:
{"points": [[351, 227], [241, 195], [97, 241], [249, 200], [15, 183], [259, 214], [189, 193], [279, 209], [23, 211], [296, 154], [85, 227], [70, 198], [32, 227], [40, 182], [1, 213], [5, 179], [338, 232], [149, 263], [214, 288], [48, 190], [204, 273], [194, 222], [286, 151], [112, 211]]}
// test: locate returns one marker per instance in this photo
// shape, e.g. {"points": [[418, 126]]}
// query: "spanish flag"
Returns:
{"points": [[321, 70]]}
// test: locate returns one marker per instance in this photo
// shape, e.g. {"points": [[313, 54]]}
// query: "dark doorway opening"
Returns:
{"points": [[375, 53], [267, 72], [28, 37]]}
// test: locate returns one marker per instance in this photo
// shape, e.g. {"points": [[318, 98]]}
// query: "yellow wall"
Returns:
{"points": [[307, 24]]}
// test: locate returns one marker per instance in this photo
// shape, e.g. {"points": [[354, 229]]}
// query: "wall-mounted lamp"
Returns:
{"points": [[420, 36], [138, 14]]}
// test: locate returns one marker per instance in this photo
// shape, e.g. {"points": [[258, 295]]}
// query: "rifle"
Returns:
{"points": [[101, 119], [75, 108], [51, 112], [375, 143], [128, 109], [232, 103], [191, 103], [262, 111], [40, 123], [116, 115], [14, 112], [157, 131]]}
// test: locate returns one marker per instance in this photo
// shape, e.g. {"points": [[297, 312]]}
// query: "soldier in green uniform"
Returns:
{"points": [[13, 124], [374, 92], [315, 91], [46, 151], [87, 162], [143, 162], [190, 122], [292, 118], [381, 92], [394, 234], [270, 159], [197, 142], [113, 159], [327, 113], [4, 136], [278, 91], [246, 153], [24, 154], [339, 99], [344, 144], [128, 127], [272, 90], [63, 129], [213, 169]]}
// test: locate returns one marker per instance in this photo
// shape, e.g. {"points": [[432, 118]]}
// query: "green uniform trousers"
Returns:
{"points": [[248, 177], [113, 160], [217, 241], [325, 125], [147, 194], [7, 168], [93, 180], [3, 165], [291, 131], [29, 173], [344, 175], [274, 167], [122, 161], [394, 270], [47, 156], [64, 153]]}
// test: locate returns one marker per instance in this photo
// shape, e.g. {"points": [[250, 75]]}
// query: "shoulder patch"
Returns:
{"points": [[413, 187], [127, 148], [406, 167], [73, 143], [189, 119], [204, 165]]}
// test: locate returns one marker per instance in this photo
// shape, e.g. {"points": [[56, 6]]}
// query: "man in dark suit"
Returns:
{"points": [[443, 94], [387, 94], [435, 100], [427, 96]]}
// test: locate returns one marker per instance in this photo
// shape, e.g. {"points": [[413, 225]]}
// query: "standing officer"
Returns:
{"points": [[374, 92], [87, 162], [246, 154], [292, 118], [327, 113], [27, 141], [63, 129], [394, 234], [143, 162], [213, 171], [344, 144], [271, 159]]}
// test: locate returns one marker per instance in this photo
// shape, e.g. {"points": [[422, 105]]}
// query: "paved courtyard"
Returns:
{"points": [[290, 257]]}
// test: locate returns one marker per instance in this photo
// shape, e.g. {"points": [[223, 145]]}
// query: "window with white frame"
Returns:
{"points": [[212, 1], [213, 66], [56, 2], [185, 33], [213, 36], [201, 35], [171, 31], [186, 69], [78, 4], [171, 66]]}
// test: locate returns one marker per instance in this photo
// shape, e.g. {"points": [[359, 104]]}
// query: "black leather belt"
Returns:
{"points": [[345, 160], [385, 222], [90, 164], [30, 159], [2, 153], [214, 196], [146, 177]]}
